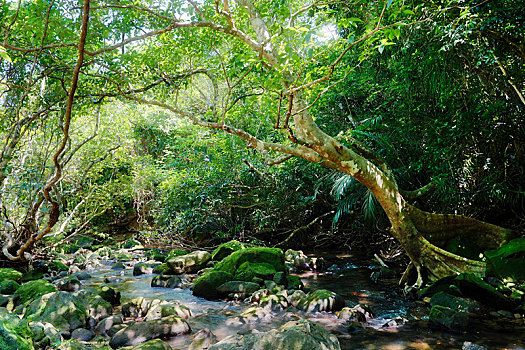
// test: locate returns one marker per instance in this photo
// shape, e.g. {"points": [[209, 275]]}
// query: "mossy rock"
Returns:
{"points": [[8, 287], [124, 257], [155, 344], [63, 310], [226, 249], [272, 256], [69, 248], [446, 317], [34, 274], [161, 269], [294, 282], [475, 288], [57, 265], [321, 300], [453, 302], [465, 247], [85, 242], [189, 263], [175, 253], [248, 270], [508, 262], [109, 294], [131, 244], [32, 290], [15, 333], [8, 273], [206, 285]]}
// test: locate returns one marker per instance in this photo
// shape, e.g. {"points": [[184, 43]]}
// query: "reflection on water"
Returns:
{"points": [[351, 280]]}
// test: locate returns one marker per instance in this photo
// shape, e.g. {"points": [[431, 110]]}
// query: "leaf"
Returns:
{"points": [[4, 54], [409, 12]]}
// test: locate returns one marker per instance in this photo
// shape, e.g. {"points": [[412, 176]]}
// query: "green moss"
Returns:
{"points": [[248, 270], [70, 248], [294, 282], [321, 300], [8, 287], [160, 269], [175, 253], [206, 285], [32, 290], [8, 273], [57, 265], [226, 249], [272, 256], [32, 275], [15, 333]]}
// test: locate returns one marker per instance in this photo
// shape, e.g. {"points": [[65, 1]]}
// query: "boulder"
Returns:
{"points": [[15, 333], [82, 334], [155, 344], [302, 334], [167, 281], [32, 275], [32, 290], [161, 269], [237, 287], [226, 249], [297, 260], [7, 273], [274, 302], [96, 306], [294, 282], [45, 335], [154, 308], [446, 317], [207, 284], [189, 263], [248, 270], [82, 275], [508, 262], [453, 302], [141, 332], [257, 255], [63, 310], [321, 300], [57, 266], [142, 269], [475, 288], [8, 286], [109, 294], [69, 284], [104, 325], [203, 339], [131, 243], [175, 253]]}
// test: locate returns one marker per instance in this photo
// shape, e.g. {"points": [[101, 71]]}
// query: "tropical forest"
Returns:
{"points": [[262, 174]]}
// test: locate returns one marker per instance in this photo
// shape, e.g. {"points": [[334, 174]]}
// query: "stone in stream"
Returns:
{"points": [[274, 302], [109, 294], [15, 333], [237, 287], [155, 344], [63, 310], [321, 300], [69, 284], [446, 317], [7, 273], [142, 269], [203, 339], [359, 313], [104, 325], [154, 308], [82, 334], [207, 284], [96, 306], [141, 332], [302, 334], [169, 281], [189, 263], [45, 334]]}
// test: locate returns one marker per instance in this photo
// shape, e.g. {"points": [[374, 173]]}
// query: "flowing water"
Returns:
{"points": [[398, 323]]}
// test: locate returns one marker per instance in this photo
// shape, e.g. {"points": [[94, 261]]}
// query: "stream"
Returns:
{"points": [[398, 323]]}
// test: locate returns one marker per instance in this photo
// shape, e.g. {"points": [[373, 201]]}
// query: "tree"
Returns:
{"points": [[255, 70]]}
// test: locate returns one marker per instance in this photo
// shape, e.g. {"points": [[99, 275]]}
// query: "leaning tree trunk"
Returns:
{"points": [[420, 233]]}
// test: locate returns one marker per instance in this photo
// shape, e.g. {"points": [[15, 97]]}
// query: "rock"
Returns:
{"points": [[239, 287], [8, 286], [69, 248], [470, 346], [258, 255], [445, 317], [32, 290], [45, 335], [255, 314], [15, 333], [207, 284], [248, 270], [280, 278], [118, 266], [57, 266], [141, 332], [63, 310], [161, 269], [167, 281], [226, 249], [82, 275], [142, 269], [456, 303], [293, 335], [69, 284], [294, 282], [154, 308], [508, 262], [321, 300], [189, 263], [104, 325], [295, 297], [165, 309], [155, 344], [7, 273], [274, 302], [109, 294], [297, 259], [352, 314], [202, 340], [124, 257], [175, 253], [82, 334], [32, 275]]}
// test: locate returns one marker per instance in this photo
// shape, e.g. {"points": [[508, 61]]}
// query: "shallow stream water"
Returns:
{"points": [[348, 277]]}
